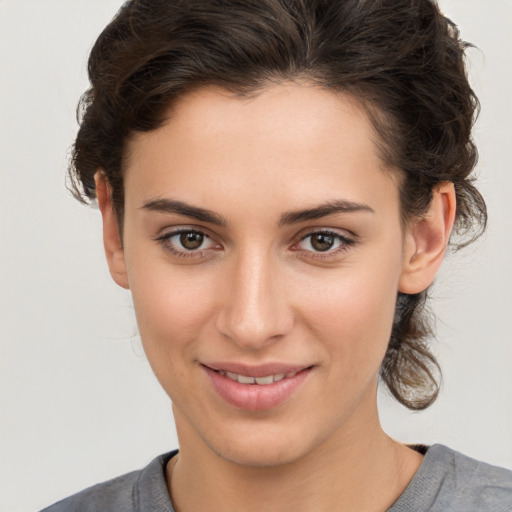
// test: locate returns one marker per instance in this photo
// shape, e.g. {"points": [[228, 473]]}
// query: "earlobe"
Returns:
{"points": [[426, 241], [111, 237]]}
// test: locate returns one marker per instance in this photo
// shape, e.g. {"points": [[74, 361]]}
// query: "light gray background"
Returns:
{"points": [[79, 403]]}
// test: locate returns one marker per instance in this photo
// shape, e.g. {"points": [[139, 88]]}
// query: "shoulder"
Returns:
{"points": [[478, 484], [138, 490], [449, 480], [115, 494]]}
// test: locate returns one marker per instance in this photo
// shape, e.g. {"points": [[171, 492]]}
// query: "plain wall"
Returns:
{"points": [[79, 403]]}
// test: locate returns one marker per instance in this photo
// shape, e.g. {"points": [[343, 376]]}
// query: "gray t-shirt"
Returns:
{"points": [[446, 481]]}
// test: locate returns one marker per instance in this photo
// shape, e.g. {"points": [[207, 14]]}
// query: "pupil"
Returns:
{"points": [[191, 240], [322, 242]]}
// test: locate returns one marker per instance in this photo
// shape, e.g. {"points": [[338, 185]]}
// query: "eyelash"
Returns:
{"points": [[344, 244], [165, 240]]}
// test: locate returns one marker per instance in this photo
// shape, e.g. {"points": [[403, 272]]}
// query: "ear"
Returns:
{"points": [[111, 237], [426, 240]]}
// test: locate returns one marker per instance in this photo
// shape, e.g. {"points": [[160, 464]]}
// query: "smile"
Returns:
{"points": [[262, 381], [256, 388]]}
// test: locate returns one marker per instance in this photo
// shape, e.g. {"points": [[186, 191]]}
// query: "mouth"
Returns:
{"points": [[261, 381], [256, 388]]}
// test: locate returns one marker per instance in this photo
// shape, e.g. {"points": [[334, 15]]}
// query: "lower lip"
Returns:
{"points": [[255, 397]]}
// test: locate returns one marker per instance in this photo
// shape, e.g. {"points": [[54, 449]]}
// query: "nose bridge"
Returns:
{"points": [[255, 309]]}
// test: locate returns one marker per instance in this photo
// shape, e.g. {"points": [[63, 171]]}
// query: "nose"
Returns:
{"points": [[254, 310]]}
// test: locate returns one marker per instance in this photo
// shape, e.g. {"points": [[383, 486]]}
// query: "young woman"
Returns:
{"points": [[279, 181]]}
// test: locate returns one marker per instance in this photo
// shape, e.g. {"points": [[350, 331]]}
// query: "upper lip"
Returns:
{"points": [[261, 370]]}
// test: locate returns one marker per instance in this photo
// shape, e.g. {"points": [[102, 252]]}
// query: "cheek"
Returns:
{"points": [[172, 307], [352, 314], [171, 312]]}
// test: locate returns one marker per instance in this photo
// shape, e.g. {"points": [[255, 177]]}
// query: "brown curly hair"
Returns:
{"points": [[402, 59]]}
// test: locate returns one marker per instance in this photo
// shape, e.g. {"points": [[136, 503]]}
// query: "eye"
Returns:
{"points": [[191, 240], [187, 242], [324, 242]]}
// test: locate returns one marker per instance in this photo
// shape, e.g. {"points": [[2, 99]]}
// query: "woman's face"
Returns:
{"points": [[262, 239]]}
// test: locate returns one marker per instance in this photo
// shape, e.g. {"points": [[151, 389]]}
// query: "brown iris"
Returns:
{"points": [[191, 240], [322, 242]]}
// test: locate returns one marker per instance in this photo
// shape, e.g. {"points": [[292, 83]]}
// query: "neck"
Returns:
{"points": [[353, 470]]}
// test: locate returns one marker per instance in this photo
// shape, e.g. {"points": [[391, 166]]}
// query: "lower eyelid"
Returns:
{"points": [[343, 244], [175, 249]]}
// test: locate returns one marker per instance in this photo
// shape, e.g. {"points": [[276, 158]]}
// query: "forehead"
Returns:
{"points": [[271, 110], [295, 141]]}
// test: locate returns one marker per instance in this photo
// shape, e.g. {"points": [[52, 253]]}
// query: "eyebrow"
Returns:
{"points": [[181, 208], [291, 217], [323, 210]]}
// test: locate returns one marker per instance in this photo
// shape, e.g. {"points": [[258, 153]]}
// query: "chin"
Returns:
{"points": [[256, 456], [264, 448]]}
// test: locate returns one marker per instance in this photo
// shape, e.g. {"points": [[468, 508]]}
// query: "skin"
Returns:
{"points": [[258, 291]]}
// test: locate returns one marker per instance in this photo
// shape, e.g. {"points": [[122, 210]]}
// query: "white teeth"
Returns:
{"points": [[265, 380], [245, 380], [262, 381]]}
